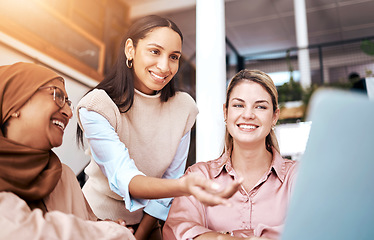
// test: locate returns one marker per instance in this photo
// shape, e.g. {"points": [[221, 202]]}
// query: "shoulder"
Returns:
{"points": [[67, 172], [198, 167], [291, 167], [95, 99], [8, 200], [13, 209], [99, 101], [284, 165], [68, 197], [68, 180], [183, 99], [68, 183], [184, 110], [209, 169], [285, 168]]}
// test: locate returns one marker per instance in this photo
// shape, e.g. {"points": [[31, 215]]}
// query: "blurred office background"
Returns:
{"points": [[80, 39]]}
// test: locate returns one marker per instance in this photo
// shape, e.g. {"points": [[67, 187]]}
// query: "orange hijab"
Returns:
{"points": [[30, 173]]}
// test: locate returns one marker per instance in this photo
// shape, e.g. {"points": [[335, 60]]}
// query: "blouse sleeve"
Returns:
{"points": [[17, 221], [186, 219], [159, 208], [111, 155]]}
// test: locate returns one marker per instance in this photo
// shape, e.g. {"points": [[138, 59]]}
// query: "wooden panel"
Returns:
{"points": [[43, 28], [90, 15], [116, 25]]}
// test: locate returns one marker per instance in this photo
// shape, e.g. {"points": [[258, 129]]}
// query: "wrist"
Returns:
{"points": [[183, 186]]}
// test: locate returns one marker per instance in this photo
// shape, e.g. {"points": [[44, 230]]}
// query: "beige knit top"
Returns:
{"points": [[151, 130]]}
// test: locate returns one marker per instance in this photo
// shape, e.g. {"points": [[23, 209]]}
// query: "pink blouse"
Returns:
{"points": [[260, 212]]}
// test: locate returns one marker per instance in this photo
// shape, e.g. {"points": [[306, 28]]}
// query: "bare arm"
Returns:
{"points": [[205, 190], [99, 133], [145, 227]]}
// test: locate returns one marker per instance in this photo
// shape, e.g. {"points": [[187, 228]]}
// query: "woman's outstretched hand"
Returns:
{"points": [[207, 191]]}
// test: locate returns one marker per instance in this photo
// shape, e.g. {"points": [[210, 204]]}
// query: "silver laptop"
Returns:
{"points": [[333, 197]]}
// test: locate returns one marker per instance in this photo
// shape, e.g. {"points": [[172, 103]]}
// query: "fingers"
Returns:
{"points": [[131, 230], [216, 189], [231, 189], [209, 192], [208, 198], [197, 180], [121, 222]]}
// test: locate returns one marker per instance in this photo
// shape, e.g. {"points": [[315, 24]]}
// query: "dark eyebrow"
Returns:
{"points": [[159, 46]]}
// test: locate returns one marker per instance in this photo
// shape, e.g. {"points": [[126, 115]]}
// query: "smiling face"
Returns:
{"points": [[155, 59], [249, 114], [41, 123]]}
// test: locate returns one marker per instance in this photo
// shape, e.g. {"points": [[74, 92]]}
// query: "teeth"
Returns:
{"points": [[247, 126], [157, 76], [59, 123]]}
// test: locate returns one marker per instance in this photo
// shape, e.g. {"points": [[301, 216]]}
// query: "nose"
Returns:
{"points": [[66, 111], [248, 113], [163, 64]]}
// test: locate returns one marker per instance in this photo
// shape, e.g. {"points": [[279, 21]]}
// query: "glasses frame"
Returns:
{"points": [[55, 99]]}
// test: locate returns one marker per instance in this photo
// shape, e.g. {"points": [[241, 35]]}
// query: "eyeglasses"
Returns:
{"points": [[59, 97]]}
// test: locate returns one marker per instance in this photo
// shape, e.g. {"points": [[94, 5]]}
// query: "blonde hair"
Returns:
{"points": [[267, 83]]}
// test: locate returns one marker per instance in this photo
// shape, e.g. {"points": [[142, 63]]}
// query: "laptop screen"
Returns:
{"points": [[333, 196]]}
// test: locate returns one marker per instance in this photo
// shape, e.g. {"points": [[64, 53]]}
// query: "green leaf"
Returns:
{"points": [[367, 47]]}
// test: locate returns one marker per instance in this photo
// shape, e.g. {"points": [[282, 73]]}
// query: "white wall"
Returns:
{"points": [[68, 152], [292, 138]]}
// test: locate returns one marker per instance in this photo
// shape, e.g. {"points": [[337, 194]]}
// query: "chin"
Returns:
{"points": [[157, 87], [56, 144]]}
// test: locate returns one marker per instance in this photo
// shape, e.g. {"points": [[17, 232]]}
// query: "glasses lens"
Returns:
{"points": [[70, 104], [59, 97]]}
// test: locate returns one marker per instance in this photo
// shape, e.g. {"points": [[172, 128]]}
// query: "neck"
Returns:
{"points": [[251, 164], [150, 93], [153, 95], [251, 159]]}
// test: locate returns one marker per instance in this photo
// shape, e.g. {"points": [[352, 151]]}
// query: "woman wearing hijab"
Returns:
{"points": [[39, 196]]}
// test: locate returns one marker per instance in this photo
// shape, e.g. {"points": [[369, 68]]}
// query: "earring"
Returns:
{"points": [[129, 63], [225, 121], [15, 114], [273, 127]]}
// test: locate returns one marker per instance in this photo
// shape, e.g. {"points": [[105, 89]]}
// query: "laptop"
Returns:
{"points": [[333, 197]]}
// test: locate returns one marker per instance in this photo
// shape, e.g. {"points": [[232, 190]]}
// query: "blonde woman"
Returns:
{"points": [[251, 152]]}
